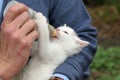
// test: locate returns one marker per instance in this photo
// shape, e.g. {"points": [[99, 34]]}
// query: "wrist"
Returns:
{"points": [[4, 73]]}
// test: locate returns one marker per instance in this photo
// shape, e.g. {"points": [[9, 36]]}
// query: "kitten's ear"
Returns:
{"points": [[81, 43]]}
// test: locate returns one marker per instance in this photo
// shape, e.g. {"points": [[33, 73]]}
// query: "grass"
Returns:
{"points": [[106, 65]]}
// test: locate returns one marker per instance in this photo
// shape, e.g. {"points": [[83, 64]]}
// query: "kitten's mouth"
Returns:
{"points": [[54, 34]]}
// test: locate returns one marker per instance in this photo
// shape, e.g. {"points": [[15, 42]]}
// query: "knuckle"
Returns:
{"points": [[32, 22], [16, 7], [26, 14], [21, 4], [36, 33], [25, 43], [20, 40], [8, 30], [15, 37], [12, 9]]}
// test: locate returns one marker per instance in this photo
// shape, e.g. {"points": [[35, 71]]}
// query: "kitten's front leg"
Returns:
{"points": [[42, 26]]}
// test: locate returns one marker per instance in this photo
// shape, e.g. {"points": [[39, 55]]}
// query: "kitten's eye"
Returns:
{"points": [[65, 32]]}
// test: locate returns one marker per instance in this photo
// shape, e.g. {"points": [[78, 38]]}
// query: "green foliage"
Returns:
{"points": [[108, 14], [107, 64], [95, 3], [114, 2]]}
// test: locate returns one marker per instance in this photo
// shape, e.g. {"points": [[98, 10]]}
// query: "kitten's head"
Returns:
{"points": [[68, 38]]}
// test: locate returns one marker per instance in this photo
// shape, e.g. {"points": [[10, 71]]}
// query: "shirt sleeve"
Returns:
{"points": [[74, 14], [61, 76], [1, 4]]}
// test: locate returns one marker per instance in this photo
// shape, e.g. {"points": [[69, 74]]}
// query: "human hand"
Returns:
{"points": [[17, 34]]}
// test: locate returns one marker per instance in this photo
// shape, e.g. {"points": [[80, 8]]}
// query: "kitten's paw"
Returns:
{"points": [[41, 22], [39, 16]]}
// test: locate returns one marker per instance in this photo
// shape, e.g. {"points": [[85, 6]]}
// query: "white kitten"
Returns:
{"points": [[50, 51]]}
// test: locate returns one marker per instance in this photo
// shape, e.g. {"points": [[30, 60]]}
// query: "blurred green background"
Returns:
{"points": [[106, 18]]}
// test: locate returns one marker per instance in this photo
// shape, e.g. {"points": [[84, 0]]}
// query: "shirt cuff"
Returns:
{"points": [[61, 76]]}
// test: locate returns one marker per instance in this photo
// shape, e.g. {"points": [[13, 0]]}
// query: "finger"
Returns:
{"points": [[21, 19], [13, 11], [32, 36], [27, 28]]}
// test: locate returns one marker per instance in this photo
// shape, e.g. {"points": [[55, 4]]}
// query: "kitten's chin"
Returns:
{"points": [[54, 37]]}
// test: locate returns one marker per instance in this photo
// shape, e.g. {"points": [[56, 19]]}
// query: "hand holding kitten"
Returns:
{"points": [[17, 34]]}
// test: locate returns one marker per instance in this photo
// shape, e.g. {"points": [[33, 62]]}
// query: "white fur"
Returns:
{"points": [[49, 52]]}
